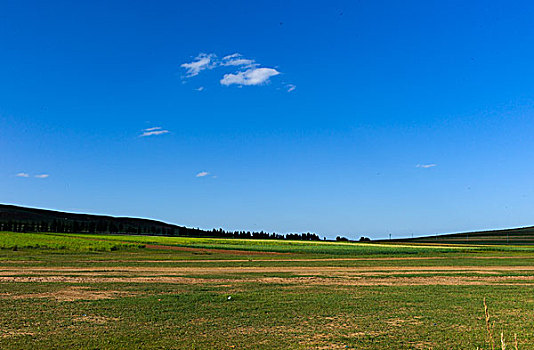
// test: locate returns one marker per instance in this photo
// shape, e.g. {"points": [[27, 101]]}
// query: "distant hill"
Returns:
{"points": [[22, 219], [15, 218], [515, 236]]}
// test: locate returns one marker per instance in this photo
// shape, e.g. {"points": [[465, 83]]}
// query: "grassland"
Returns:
{"points": [[41, 241], [131, 292]]}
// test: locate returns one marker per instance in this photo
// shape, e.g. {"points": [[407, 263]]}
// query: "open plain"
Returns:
{"points": [[116, 292]]}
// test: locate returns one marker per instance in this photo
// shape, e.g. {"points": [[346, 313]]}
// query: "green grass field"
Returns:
{"points": [[132, 292]]}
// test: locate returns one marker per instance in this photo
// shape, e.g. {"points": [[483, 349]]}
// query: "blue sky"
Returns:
{"points": [[337, 117]]}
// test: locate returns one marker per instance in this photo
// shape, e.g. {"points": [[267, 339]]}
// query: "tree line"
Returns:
{"points": [[114, 227]]}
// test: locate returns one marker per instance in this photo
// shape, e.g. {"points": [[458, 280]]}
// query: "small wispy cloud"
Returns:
{"points": [[202, 174], [201, 62], [42, 176], [290, 87], [254, 76], [153, 128], [232, 56], [200, 88], [156, 130], [425, 166], [23, 175], [237, 60]]}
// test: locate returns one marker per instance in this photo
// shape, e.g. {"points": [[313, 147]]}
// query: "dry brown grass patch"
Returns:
{"points": [[73, 293], [94, 319], [9, 334]]}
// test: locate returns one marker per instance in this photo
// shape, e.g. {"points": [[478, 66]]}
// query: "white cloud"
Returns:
{"points": [[240, 62], [200, 88], [290, 87], [229, 57], [153, 128], [156, 130], [23, 175], [153, 133], [254, 76], [425, 166], [245, 71], [42, 176], [237, 60], [201, 62], [202, 174]]}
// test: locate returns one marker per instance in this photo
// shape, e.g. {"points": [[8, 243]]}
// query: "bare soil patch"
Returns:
{"points": [[122, 272], [259, 269], [74, 293], [9, 334], [94, 319], [84, 293], [79, 279], [289, 259]]}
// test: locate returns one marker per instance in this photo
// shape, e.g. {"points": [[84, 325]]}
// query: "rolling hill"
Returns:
{"points": [[514, 236], [16, 218], [23, 219]]}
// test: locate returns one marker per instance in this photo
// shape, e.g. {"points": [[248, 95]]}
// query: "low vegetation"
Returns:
{"points": [[24, 241], [75, 291]]}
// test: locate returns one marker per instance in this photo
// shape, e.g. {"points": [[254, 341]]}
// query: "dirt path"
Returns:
{"points": [[300, 281], [328, 270], [289, 259], [211, 250]]}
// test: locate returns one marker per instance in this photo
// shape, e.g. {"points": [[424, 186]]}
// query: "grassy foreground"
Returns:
{"points": [[132, 292]]}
